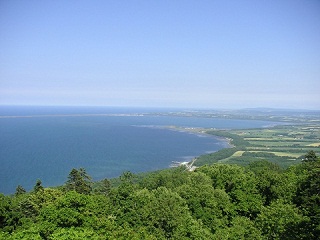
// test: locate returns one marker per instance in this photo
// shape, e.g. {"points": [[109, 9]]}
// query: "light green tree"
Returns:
{"points": [[280, 221], [239, 184]]}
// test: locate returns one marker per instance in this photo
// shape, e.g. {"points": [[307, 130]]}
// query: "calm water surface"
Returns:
{"points": [[47, 147]]}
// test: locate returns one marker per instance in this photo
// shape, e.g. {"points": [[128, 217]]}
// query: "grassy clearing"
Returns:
{"points": [[278, 143], [279, 154], [278, 139], [238, 154], [286, 154], [259, 139], [314, 144]]}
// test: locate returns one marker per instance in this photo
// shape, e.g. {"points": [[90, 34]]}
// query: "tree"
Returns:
{"points": [[240, 228], [169, 178], [78, 211], [239, 184], [74, 234], [272, 183], [30, 233], [79, 181], [280, 221], [125, 188], [263, 165], [308, 197], [104, 187], [211, 206], [19, 190], [310, 156], [66, 212], [5, 211], [163, 213], [38, 187]]}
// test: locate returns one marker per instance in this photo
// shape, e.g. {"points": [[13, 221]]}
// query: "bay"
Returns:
{"points": [[47, 142]]}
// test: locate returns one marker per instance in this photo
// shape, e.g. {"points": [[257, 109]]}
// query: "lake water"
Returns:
{"points": [[47, 147]]}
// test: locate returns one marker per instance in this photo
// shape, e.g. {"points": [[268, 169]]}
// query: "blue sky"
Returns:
{"points": [[210, 54]]}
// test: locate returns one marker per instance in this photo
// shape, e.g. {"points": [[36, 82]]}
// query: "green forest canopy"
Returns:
{"points": [[219, 201]]}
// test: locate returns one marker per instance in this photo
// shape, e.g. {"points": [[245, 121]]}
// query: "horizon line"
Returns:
{"points": [[261, 108]]}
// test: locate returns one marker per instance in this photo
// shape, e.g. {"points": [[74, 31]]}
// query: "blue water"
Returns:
{"points": [[48, 147]]}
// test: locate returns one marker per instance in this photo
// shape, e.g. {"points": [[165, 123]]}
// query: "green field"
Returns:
{"points": [[314, 145], [284, 145], [280, 154]]}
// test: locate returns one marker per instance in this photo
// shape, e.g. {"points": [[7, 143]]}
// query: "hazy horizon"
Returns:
{"points": [[167, 108], [163, 54]]}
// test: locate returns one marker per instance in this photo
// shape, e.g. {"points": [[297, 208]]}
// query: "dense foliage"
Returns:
{"points": [[219, 201]]}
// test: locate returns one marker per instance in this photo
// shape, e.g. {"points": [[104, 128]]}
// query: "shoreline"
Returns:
{"points": [[202, 132], [197, 131]]}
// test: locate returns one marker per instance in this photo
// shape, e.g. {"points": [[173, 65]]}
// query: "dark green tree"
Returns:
{"points": [[38, 187], [5, 211], [308, 197], [280, 221], [163, 213], [20, 190], [239, 184], [127, 177], [79, 181], [272, 182], [310, 156], [104, 187]]}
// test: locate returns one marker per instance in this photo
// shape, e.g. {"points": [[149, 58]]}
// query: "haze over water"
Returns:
{"points": [[48, 147]]}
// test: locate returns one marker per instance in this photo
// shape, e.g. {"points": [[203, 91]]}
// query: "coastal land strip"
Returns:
{"points": [[282, 144]]}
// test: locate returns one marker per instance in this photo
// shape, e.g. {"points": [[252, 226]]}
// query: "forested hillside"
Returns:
{"points": [[219, 201]]}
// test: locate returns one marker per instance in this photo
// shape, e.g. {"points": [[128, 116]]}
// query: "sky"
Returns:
{"points": [[165, 53]]}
